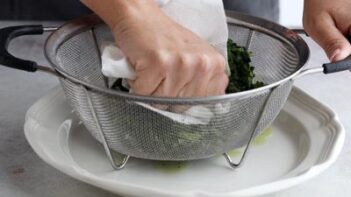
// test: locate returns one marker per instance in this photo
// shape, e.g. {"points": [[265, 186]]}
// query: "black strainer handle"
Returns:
{"points": [[9, 33], [339, 65], [333, 67]]}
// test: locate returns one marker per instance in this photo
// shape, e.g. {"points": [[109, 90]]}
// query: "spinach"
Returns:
{"points": [[242, 72]]}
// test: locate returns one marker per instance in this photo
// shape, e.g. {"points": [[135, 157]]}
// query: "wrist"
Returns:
{"points": [[113, 12], [128, 11]]}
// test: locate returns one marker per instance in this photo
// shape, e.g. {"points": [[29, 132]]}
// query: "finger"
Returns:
{"points": [[159, 93], [326, 34], [206, 81], [180, 108], [196, 88], [175, 80], [217, 85], [182, 74], [146, 82], [165, 89]]}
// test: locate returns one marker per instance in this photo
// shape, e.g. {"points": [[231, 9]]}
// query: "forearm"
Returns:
{"points": [[168, 59], [114, 12]]}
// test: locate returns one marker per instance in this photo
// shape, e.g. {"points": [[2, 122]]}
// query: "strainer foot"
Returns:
{"points": [[228, 158], [231, 162], [118, 160]]}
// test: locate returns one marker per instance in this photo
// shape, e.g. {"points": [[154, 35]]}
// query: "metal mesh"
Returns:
{"points": [[139, 132]]}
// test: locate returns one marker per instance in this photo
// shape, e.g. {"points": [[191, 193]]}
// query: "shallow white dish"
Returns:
{"points": [[303, 141]]}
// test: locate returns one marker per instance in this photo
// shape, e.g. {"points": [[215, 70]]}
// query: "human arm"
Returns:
{"points": [[169, 60]]}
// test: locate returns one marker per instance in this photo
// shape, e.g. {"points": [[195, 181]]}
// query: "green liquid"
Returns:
{"points": [[234, 153], [170, 166], [259, 140], [262, 138], [177, 166]]}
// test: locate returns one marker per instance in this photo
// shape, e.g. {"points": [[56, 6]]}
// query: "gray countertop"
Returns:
{"points": [[24, 174]]}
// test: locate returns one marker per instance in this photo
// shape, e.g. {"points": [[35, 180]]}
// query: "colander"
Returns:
{"points": [[126, 129]]}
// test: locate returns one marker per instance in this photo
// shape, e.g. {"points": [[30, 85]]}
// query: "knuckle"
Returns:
{"points": [[225, 81], [203, 63], [333, 44], [185, 61], [161, 61], [162, 72], [142, 86], [222, 81], [138, 88], [220, 63], [139, 66], [203, 67], [204, 58], [162, 69]]}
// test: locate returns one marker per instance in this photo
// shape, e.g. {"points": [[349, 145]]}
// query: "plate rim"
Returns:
{"points": [[333, 150]]}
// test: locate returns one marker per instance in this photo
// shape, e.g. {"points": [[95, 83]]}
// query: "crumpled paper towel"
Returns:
{"points": [[207, 19]]}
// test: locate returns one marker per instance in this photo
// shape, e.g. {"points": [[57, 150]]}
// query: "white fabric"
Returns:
{"points": [[114, 64], [206, 18]]}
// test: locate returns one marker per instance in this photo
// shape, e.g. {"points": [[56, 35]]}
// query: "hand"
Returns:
{"points": [[169, 60], [328, 22]]}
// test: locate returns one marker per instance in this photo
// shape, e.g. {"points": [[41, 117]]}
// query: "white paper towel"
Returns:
{"points": [[206, 18]]}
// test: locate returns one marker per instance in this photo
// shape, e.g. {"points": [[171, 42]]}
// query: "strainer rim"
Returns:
{"points": [[82, 24]]}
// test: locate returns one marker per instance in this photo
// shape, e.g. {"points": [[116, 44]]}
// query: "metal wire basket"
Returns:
{"points": [[127, 129]]}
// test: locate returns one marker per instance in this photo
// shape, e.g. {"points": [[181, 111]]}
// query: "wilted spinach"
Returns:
{"points": [[242, 72]]}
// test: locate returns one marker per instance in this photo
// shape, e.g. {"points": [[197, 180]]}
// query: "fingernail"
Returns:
{"points": [[335, 55], [340, 55]]}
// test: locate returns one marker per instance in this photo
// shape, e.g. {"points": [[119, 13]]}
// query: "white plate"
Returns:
{"points": [[304, 140]]}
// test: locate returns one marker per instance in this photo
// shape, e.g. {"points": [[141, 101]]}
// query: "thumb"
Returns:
{"points": [[328, 36]]}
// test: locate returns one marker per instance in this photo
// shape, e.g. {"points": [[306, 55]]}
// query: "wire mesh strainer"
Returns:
{"points": [[128, 129]]}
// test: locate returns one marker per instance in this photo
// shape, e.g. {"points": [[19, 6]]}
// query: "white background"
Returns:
{"points": [[291, 13]]}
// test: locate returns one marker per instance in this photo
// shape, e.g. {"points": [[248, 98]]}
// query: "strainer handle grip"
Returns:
{"points": [[9, 33], [339, 65], [333, 67]]}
